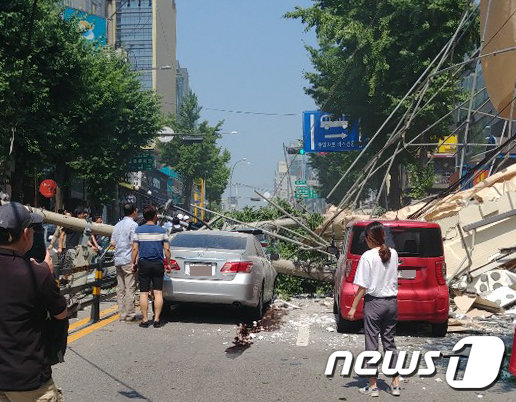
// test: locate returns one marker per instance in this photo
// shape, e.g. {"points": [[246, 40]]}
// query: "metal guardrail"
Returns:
{"points": [[96, 286]]}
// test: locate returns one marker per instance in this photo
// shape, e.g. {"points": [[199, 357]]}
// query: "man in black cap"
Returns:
{"points": [[28, 294]]}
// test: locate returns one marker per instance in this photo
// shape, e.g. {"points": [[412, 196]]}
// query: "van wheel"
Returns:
{"points": [[335, 307], [345, 326], [439, 330]]}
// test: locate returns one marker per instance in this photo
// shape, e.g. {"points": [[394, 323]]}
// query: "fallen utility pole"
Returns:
{"points": [[70, 222], [288, 267]]}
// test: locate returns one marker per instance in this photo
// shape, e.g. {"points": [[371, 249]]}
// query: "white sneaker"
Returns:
{"points": [[369, 391], [395, 391]]}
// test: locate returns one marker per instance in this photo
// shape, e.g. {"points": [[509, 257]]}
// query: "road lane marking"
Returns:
{"points": [[84, 321], [303, 336], [92, 328]]}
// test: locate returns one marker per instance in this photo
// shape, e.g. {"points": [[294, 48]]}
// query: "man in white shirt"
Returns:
{"points": [[122, 239]]}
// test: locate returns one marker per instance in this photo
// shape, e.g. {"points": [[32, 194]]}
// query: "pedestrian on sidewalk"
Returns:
{"points": [[377, 281], [100, 240], [122, 238], [57, 231], [150, 246], [29, 294], [69, 239]]}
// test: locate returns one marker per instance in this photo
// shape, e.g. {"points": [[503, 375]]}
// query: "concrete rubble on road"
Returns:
{"points": [[479, 232]]}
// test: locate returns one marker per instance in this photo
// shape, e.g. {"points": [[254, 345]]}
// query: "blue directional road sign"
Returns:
{"points": [[323, 132]]}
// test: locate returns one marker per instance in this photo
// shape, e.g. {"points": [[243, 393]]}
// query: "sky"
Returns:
{"points": [[242, 55]]}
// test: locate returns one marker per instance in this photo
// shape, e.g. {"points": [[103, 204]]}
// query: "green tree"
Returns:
{"points": [[420, 180], [287, 285], [370, 53], [203, 160], [78, 111]]}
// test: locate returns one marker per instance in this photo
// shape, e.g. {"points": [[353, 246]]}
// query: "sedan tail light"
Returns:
{"points": [[232, 267], [440, 272], [173, 265]]}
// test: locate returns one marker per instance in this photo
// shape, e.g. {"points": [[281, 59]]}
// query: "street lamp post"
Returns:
{"points": [[231, 178]]}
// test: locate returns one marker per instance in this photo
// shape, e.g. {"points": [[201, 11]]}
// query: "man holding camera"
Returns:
{"points": [[29, 294]]}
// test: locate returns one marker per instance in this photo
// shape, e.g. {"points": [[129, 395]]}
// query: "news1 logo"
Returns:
{"points": [[482, 367]]}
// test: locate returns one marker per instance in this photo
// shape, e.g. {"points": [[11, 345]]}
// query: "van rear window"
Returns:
{"points": [[408, 242]]}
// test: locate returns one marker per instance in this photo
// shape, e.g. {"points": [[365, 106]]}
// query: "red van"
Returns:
{"points": [[422, 288]]}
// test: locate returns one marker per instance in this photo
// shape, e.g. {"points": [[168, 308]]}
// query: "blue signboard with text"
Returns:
{"points": [[323, 132]]}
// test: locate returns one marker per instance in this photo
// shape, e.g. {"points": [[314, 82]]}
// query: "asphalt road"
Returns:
{"points": [[192, 358]]}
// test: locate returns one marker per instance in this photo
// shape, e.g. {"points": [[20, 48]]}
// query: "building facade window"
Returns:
{"points": [[94, 7], [134, 34]]}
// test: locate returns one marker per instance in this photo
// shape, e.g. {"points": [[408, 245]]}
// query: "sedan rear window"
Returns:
{"points": [[408, 242], [208, 241]]}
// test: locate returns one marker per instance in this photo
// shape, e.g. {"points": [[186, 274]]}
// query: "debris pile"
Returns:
{"points": [[478, 226], [245, 334], [479, 232]]}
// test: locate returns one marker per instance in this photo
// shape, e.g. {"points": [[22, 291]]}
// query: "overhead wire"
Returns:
{"points": [[399, 134], [287, 173], [473, 88], [248, 112], [467, 18], [474, 58], [461, 182], [364, 181], [444, 49]]}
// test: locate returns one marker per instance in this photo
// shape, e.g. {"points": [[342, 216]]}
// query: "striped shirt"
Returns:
{"points": [[122, 236], [150, 239]]}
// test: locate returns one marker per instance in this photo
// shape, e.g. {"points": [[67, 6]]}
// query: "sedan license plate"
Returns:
{"points": [[200, 270], [406, 274]]}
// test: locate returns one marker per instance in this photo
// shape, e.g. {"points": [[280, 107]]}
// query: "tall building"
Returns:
{"points": [[281, 181], [182, 85], [93, 7], [298, 182], [146, 30]]}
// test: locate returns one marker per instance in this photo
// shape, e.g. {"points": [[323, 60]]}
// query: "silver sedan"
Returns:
{"points": [[219, 267]]}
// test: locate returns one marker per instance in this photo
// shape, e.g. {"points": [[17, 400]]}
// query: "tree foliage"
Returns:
{"points": [[287, 285], [421, 180], [76, 108], [370, 53], [203, 160]]}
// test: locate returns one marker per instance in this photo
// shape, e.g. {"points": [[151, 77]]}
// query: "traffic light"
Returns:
{"points": [[295, 150]]}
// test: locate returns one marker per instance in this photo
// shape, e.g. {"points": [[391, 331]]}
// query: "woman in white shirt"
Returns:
{"points": [[377, 280]]}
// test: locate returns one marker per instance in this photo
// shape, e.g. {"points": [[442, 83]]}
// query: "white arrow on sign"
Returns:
{"points": [[342, 135]]}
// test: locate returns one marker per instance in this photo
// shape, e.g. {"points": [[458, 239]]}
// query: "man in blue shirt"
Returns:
{"points": [[122, 239], [150, 243]]}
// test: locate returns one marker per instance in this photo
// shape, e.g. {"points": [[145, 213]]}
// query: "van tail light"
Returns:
{"points": [[237, 266], [173, 265], [349, 271], [440, 272]]}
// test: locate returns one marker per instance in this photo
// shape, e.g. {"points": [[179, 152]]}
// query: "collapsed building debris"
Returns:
{"points": [[479, 233]]}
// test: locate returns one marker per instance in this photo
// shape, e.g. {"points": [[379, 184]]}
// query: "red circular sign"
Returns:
{"points": [[47, 188]]}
